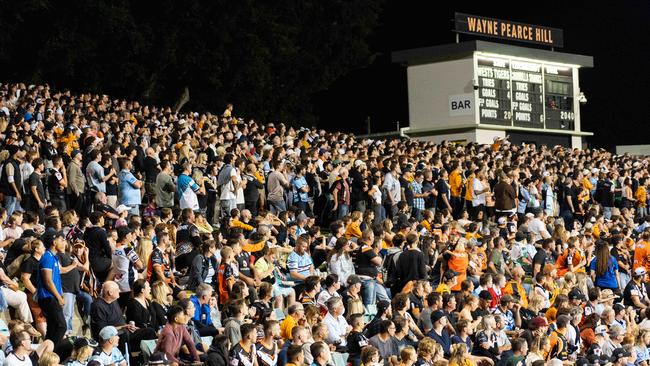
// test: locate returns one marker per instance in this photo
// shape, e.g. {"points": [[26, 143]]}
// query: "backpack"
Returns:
{"points": [[13, 270]]}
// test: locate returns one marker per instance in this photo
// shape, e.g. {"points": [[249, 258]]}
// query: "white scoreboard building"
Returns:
{"points": [[475, 91]]}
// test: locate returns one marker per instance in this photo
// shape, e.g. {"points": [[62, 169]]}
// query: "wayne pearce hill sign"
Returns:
{"points": [[504, 29]]}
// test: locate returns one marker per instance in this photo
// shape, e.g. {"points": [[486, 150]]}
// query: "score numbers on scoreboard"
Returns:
{"points": [[524, 94]]}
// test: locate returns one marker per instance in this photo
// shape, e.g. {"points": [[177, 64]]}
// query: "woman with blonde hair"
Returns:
{"points": [[82, 350], [160, 294], [460, 356], [486, 338], [539, 348], [641, 343], [49, 359]]}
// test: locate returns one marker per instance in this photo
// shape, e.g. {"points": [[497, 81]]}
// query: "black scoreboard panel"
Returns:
{"points": [[559, 98], [524, 94], [528, 103], [494, 100]]}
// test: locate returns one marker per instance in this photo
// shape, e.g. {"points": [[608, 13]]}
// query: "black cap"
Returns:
{"points": [[449, 274], [83, 342], [159, 358], [49, 237], [122, 232], [619, 353], [485, 295], [576, 294], [604, 360], [437, 315], [382, 305], [582, 361]]}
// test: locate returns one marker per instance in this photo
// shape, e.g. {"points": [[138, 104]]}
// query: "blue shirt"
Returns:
{"points": [[201, 312], [608, 280], [299, 263], [51, 262], [129, 194], [183, 182], [298, 183], [95, 176]]}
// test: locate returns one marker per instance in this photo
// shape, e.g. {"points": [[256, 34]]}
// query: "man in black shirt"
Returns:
{"points": [[443, 192], [106, 311], [542, 256], [56, 184], [100, 253], [36, 200], [411, 265], [565, 199], [636, 293]]}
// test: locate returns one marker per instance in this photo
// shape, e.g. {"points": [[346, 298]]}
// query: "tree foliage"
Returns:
{"points": [[269, 58]]}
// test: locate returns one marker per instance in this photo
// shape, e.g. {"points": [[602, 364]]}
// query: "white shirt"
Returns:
{"points": [[537, 227], [337, 329], [392, 187], [13, 360], [228, 191], [477, 199]]}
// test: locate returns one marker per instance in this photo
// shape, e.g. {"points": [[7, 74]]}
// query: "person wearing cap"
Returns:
{"points": [[384, 312], [615, 336], [448, 281], [439, 332], [158, 358], [622, 356], [82, 349], [509, 311], [108, 353], [635, 293]]}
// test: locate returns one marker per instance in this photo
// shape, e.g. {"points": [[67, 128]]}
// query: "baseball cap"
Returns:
{"points": [[600, 330], [539, 322], [50, 236], [485, 295], [83, 342], [159, 358], [382, 305], [108, 332], [576, 294], [619, 353], [437, 315], [640, 271], [449, 274], [502, 220]]}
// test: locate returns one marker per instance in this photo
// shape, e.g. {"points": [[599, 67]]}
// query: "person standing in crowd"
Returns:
{"points": [[76, 188], [277, 183], [391, 189], [164, 187], [11, 180], [50, 292], [129, 188]]}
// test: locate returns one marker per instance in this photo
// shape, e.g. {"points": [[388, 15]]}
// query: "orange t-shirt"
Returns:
{"points": [[458, 263], [641, 255], [455, 183], [562, 264]]}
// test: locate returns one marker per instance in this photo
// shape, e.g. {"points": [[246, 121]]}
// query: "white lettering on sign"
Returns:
{"points": [[502, 74], [485, 71], [527, 107], [526, 66], [488, 82], [492, 103], [461, 105], [499, 63], [522, 86], [488, 113], [491, 93], [535, 78], [521, 96], [520, 116], [519, 76]]}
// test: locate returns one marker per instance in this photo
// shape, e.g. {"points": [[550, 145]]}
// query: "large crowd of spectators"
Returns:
{"points": [[132, 234]]}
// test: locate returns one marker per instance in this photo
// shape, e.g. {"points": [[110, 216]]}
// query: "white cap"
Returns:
{"points": [[640, 271], [358, 163], [501, 220], [122, 208]]}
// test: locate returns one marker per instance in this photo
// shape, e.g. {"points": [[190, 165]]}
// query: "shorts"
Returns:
{"points": [[281, 291]]}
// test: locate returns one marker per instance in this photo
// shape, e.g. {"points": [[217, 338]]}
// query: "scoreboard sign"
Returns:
{"points": [[503, 29], [524, 94]]}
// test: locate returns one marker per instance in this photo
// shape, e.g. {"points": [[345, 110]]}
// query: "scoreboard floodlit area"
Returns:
{"points": [[475, 91]]}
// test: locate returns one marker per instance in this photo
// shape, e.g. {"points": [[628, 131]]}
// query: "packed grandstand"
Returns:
{"points": [[133, 234]]}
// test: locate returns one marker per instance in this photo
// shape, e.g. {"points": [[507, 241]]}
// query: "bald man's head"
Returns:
{"points": [[110, 291]]}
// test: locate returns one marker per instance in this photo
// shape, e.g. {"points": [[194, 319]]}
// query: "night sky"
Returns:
{"points": [[616, 34]]}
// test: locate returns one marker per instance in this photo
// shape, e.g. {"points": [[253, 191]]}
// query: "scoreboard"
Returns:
{"points": [[524, 94]]}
